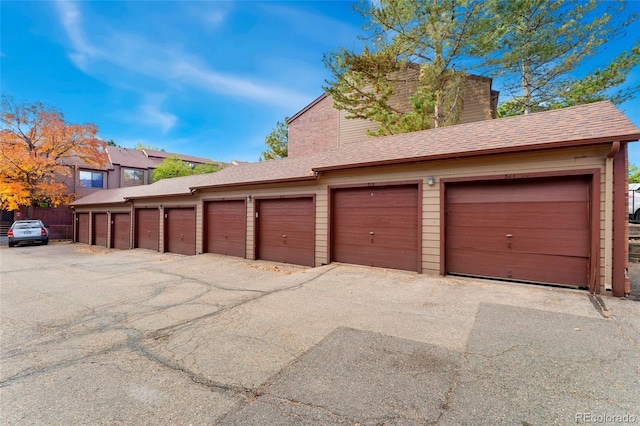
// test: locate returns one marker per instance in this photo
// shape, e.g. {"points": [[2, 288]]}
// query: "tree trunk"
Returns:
{"points": [[526, 86]]}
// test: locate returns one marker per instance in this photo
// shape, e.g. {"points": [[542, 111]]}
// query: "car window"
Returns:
{"points": [[25, 225]]}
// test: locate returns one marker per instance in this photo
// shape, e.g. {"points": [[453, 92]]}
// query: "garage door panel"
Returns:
{"points": [[548, 220], [402, 220], [571, 242], [393, 195], [147, 229], [100, 229], [385, 238], [553, 269], [532, 215], [226, 227], [286, 254], [376, 226], [370, 256], [286, 230], [181, 231], [520, 191], [83, 228], [121, 230]]}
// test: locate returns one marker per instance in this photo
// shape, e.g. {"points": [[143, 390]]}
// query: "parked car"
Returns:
{"points": [[634, 202], [28, 231]]}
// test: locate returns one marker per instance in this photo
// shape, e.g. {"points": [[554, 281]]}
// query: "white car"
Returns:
{"points": [[634, 202], [28, 231]]}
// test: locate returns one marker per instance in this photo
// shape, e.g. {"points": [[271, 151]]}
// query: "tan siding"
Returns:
{"points": [[353, 130], [251, 214], [199, 228], [477, 101]]}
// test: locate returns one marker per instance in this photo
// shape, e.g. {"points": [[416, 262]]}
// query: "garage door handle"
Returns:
{"points": [[371, 233], [284, 236], [509, 235]]}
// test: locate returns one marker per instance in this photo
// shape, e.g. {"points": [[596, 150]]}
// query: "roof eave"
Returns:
{"points": [[140, 197], [550, 145], [307, 108], [256, 182], [108, 203]]}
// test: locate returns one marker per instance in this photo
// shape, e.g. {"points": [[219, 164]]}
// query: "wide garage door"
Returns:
{"points": [[226, 227], [180, 226], [100, 229], [376, 226], [285, 230], [82, 231], [120, 230], [147, 225], [534, 230]]}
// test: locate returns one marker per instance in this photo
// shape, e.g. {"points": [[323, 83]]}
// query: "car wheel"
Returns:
{"points": [[636, 216], [45, 242], [11, 244]]}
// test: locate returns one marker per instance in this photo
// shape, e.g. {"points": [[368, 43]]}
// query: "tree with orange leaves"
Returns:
{"points": [[37, 147]]}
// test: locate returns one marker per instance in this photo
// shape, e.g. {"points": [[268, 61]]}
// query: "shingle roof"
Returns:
{"points": [[188, 158], [165, 187], [147, 158], [580, 125], [127, 157]]}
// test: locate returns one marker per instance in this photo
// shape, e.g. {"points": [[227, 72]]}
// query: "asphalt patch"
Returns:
{"points": [[528, 366], [354, 376]]}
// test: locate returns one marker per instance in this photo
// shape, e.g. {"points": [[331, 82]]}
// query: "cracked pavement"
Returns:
{"points": [[97, 336]]}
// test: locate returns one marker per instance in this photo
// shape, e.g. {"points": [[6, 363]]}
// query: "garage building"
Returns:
{"points": [[537, 198]]}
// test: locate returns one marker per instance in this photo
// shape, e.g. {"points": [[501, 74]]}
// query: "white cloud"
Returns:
{"points": [[167, 64], [71, 18], [215, 17], [151, 114]]}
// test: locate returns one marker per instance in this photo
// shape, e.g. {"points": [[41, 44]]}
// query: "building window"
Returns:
{"points": [[92, 179], [131, 177]]}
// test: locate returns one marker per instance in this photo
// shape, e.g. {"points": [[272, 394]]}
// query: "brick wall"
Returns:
{"points": [[59, 220], [315, 130]]}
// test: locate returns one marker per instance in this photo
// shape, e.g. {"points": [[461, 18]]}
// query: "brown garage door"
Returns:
{"points": [[147, 224], [527, 230], [226, 227], [376, 226], [82, 231], [120, 230], [285, 230], [180, 226], [100, 229]]}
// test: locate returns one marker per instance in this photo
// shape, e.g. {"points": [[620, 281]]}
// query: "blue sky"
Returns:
{"points": [[205, 78]]}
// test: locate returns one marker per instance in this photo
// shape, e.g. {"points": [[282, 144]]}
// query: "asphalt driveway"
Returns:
{"points": [[97, 336]]}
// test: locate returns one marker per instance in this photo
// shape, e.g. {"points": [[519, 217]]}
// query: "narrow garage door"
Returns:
{"points": [[180, 226], [147, 224], [285, 230], [226, 227], [376, 226], [100, 229], [527, 230], [82, 231], [120, 230]]}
